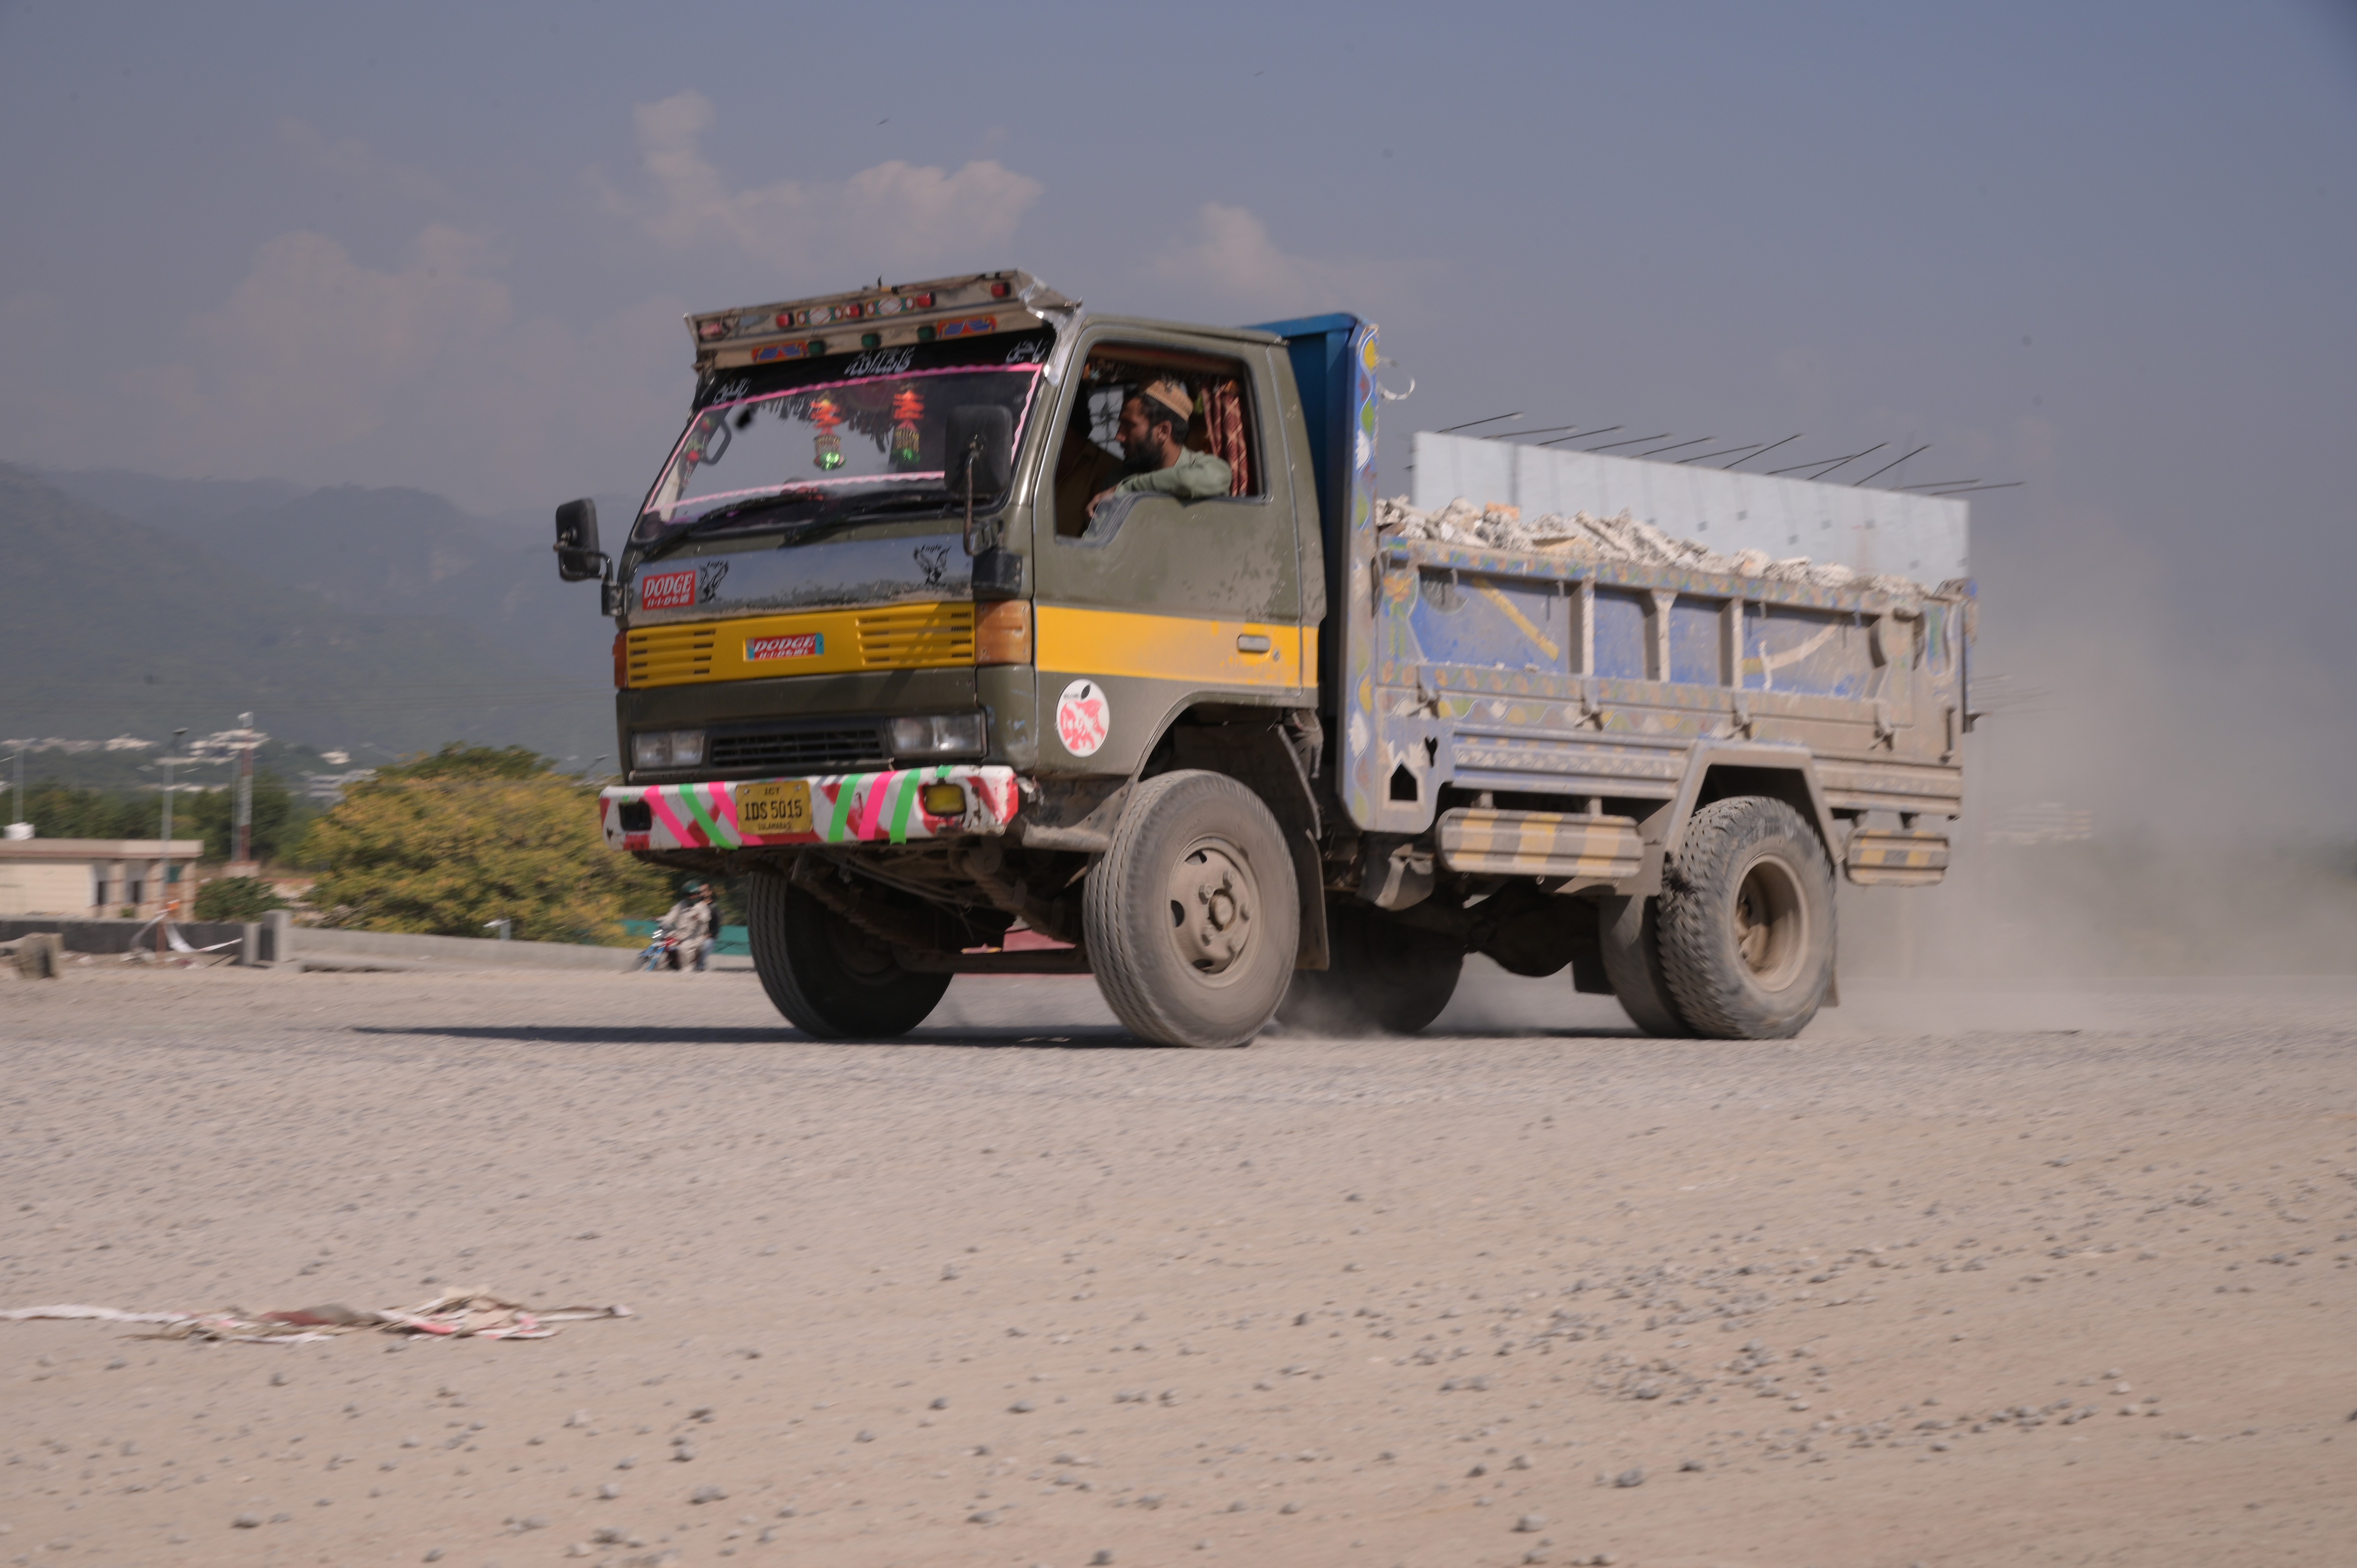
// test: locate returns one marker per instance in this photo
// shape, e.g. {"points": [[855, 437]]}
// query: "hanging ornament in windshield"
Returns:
{"points": [[908, 408], [827, 445]]}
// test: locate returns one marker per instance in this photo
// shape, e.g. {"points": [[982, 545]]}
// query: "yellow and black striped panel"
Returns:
{"points": [[1199, 648], [815, 642], [1541, 844], [1883, 857]]}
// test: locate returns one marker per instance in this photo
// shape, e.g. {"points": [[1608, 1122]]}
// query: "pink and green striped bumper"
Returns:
{"points": [[846, 808]]}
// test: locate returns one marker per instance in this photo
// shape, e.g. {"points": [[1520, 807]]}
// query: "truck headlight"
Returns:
{"points": [[940, 735], [667, 749]]}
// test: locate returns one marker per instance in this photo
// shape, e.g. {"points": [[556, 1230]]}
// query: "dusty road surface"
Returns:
{"points": [[2050, 1277]]}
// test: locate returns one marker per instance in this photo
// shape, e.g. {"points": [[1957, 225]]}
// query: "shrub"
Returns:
{"points": [[237, 899], [445, 842]]}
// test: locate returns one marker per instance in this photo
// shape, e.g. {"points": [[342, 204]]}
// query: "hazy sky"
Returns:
{"points": [[2106, 250]]}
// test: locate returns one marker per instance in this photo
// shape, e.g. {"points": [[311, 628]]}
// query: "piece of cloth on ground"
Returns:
{"points": [[460, 1315]]}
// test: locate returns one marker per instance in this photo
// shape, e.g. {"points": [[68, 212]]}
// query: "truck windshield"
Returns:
{"points": [[827, 448]]}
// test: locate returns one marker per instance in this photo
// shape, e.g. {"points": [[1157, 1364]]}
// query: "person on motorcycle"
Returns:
{"points": [[691, 925]]}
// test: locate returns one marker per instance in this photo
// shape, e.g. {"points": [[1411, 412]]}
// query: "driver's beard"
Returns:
{"points": [[1142, 456]]}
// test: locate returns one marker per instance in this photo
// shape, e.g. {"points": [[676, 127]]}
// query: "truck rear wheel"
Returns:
{"points": [[1385, 976], [1628, 930], [1747, 927], [1189, 916], [832, 980]]}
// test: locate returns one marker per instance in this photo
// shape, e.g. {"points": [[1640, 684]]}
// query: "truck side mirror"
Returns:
{"points": [[578, 559], [981, 441]]}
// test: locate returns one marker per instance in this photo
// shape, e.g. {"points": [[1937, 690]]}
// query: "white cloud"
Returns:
{"points": [[895, 217], [1228, 256], [361, 168], [319, 367], [313, 350]]}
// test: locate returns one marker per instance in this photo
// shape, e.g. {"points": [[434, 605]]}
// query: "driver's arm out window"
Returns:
{"points": [[1088, 460]]}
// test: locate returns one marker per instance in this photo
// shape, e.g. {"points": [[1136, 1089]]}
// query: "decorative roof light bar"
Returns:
{"points": [[884, 317]]}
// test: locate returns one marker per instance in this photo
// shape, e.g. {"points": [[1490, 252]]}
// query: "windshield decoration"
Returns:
{"points": [[876, 445], [908, 407], [827, 447]]}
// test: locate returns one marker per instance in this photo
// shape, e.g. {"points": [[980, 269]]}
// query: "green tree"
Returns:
{"points": [[237, 899], [447, 842], [280, 818], [60, 812]]}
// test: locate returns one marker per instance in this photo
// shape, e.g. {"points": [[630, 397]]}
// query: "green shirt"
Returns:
{"points": [[1193, 476]]}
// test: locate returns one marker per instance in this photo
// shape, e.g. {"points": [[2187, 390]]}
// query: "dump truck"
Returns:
{"points": [[979, 633]]}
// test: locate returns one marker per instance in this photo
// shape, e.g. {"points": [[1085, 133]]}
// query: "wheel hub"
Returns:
{"points": [[1769, 923], [1211, 896]]}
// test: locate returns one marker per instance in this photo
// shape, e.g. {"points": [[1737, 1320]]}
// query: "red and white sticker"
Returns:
{"points": [[1083, 718], [667, 590], [795, 645]]}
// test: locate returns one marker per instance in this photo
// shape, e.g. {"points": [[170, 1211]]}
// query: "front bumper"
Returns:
{"points": [[846, 808]]}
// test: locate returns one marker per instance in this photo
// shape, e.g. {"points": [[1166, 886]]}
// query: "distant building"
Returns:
{"points": [[77, 748], [93, 878], [328, 788]]}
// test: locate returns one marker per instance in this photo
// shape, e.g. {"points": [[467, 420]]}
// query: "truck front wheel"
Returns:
{"points": [[1190, 915], [1383, 976], [1747, 921], [832, 980]]}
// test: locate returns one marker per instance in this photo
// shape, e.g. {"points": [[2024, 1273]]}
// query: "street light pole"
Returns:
{"points": [[164, 892], [242, 842]]}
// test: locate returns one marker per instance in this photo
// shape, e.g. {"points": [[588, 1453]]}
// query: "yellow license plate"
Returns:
{"points": [[774, 810]]}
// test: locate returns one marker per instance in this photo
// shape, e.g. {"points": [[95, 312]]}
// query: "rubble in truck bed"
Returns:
{"points": [[1586, 538]]}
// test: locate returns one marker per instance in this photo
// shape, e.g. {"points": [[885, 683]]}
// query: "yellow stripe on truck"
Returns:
{"points": [[817, 642], [1174, 648]]}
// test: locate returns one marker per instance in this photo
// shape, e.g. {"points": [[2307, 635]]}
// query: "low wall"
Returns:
{"points": [[279, 941], [314, 948], [114, 936]]}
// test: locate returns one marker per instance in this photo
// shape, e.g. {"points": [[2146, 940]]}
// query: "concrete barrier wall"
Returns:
{"points": [[114, 936], [279, 941], [307, 944]]}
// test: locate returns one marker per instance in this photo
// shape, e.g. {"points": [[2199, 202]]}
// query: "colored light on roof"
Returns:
{"points": [[1000, 290]]}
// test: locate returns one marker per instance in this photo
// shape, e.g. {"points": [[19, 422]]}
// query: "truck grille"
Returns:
{"points": [[670, 655], [827, 642], [910, 636], [797, 751]]}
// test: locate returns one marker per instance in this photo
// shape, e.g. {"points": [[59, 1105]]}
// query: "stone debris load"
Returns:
{"points": [[1622, 538]]}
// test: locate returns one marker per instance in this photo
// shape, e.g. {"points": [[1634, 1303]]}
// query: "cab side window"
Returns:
{"points": [[1220, 423]]}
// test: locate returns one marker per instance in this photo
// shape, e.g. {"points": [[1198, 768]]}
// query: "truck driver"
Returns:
{"points": [[1153, 433]]}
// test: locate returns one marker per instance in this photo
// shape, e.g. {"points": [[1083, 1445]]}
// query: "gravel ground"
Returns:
{"points": [[2042, 1276]]}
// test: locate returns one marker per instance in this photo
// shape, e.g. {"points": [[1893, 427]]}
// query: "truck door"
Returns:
{"points": [[1159, 602]]}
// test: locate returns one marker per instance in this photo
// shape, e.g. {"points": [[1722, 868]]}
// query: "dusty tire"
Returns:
{"points": [[831, 979], [1747, 925], [1190, 917], [1628, 930], [1385, 976]]}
